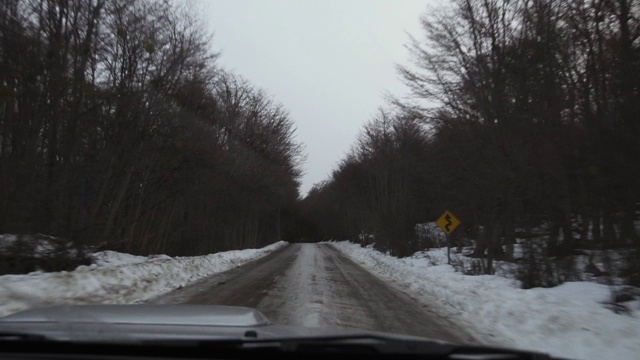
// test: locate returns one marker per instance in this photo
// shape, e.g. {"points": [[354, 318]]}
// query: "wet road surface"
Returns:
{"points": [[316, 285]]}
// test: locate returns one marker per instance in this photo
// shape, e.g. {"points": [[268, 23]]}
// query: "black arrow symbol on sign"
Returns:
{"points": [[449, 223]]}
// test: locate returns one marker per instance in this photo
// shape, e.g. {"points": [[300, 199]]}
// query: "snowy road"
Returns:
{"points": [[321, 285], [315, 285]]}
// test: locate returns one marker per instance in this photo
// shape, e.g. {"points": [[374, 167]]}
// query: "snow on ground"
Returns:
{"points": [[116, 278], [7, 240], [38, 245], [569, 320], [108, 258], [572, 320]]}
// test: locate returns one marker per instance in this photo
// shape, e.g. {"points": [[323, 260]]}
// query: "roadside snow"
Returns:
{"points": [[569, 320], [116, 278], [108, 258]]}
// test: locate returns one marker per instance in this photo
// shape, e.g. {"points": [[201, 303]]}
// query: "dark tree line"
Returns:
{"points": [[523, 113], [118, 130]]}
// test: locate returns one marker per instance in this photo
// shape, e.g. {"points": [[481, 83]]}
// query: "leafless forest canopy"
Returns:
{"points": [[119, 130]]}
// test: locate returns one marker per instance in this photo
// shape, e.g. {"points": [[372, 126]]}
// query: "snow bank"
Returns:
{"points": [[117, 279], [108, 258], [569, 320]]}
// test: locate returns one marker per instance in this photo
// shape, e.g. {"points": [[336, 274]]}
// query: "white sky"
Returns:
{"points": [[329, 62]]}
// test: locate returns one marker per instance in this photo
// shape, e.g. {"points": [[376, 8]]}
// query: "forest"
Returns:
{"points": [[118, 130], [522, 120]]}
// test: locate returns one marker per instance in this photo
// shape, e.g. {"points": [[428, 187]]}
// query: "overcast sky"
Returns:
{"points": [[329, 62]]}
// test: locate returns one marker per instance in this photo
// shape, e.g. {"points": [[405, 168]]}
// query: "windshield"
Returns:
{"points": [[466, 171]]}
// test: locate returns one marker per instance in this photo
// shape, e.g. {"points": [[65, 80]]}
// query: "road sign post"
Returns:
{"points": [[448, 249], [448, 223]]}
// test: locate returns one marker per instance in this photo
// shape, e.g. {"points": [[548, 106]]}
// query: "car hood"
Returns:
{"points": [[184, 329], [132, 323]]}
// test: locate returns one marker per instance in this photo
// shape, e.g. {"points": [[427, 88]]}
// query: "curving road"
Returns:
{"points": [[316, 285]]}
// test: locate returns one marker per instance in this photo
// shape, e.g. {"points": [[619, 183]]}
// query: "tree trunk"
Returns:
{"points": [[115, 206]]}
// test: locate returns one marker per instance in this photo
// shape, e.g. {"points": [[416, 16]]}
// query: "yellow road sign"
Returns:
{"points": [[448, 222]]}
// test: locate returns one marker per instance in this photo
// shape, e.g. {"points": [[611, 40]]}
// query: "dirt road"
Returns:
{"points": [[315, 285]]}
